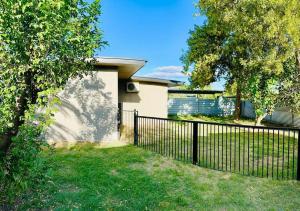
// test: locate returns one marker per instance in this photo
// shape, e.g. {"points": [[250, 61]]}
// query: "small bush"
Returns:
{"points": [[23, 168]]}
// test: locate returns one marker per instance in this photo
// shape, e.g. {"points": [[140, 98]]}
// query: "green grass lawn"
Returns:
{"points": [[131, 178]]}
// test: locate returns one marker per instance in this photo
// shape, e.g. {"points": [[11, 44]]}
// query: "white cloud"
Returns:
{"points": [[168, 72], [169, 68]]}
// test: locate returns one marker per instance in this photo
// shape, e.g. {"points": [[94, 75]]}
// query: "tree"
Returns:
{"points": [[259, 37], [289, 87], [43, 44], [212, 58]]}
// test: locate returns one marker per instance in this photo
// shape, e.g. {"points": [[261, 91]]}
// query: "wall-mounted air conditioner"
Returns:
{"points": [[132, 87]]}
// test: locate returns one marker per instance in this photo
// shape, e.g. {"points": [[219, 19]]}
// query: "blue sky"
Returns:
{"points": [[154, 30]]}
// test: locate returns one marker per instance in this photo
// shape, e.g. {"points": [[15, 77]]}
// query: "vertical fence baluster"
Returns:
{"points": [[263, 155], [145, 132], [206, 147], [191, 142], [135, 128], [155, 136], [278, 144], [195, 142], [168, 139], [234, 155], [248, 151], [175, 141], [214, 147], [234, 152], [150, 129], [273, 149], [257, 162], [210, 144], [172, 138], [165, 137], [203, 145], [148, 132], [239, 149], [178, 141], [298, 158], [154, 129], [188, 140], [222, 156], [268, 153], [244, 149], [282, 171], [288, 158], [200, 144], [218, 146], [253, 152], [294, 154], [158, 136], [181, 140], [142, 132], [156, 133], [226, 148], [161, 136]]}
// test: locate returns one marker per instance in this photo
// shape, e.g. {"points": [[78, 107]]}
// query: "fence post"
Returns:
{"points": [[298, 158], [195, 143], [136, 135]]}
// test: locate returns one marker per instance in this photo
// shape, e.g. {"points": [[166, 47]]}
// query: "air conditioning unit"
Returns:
{"points": [[132, 87]]}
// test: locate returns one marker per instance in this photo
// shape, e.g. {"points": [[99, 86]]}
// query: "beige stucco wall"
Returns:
{"points": [[88, 111], [151, 100]]}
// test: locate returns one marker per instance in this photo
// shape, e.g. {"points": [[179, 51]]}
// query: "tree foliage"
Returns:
{"points": [[248, 41], [43, 44]]}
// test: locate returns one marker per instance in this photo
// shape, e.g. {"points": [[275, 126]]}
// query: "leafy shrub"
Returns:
{"points": [[24, 167]]}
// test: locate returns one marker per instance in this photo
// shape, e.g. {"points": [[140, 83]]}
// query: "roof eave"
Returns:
{"points": [[170, 83], [125, 66]]}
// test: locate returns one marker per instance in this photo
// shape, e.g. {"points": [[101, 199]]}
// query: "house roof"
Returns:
{"points": [[170, 83], [126, 67], [176, 91]]}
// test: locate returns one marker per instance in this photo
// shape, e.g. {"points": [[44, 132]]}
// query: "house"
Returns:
{"points": [[89, 108]]}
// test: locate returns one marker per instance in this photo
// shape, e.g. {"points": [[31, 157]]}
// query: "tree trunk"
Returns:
{"points": [[28, 96], [298, 59], [258, 119], [6, 138], [237, 113]]}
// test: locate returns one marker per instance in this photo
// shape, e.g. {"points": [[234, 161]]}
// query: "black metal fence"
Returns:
{"points": [[248, 150]]}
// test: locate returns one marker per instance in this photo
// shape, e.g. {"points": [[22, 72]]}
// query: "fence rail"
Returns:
{"points": [[248, 150]]}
